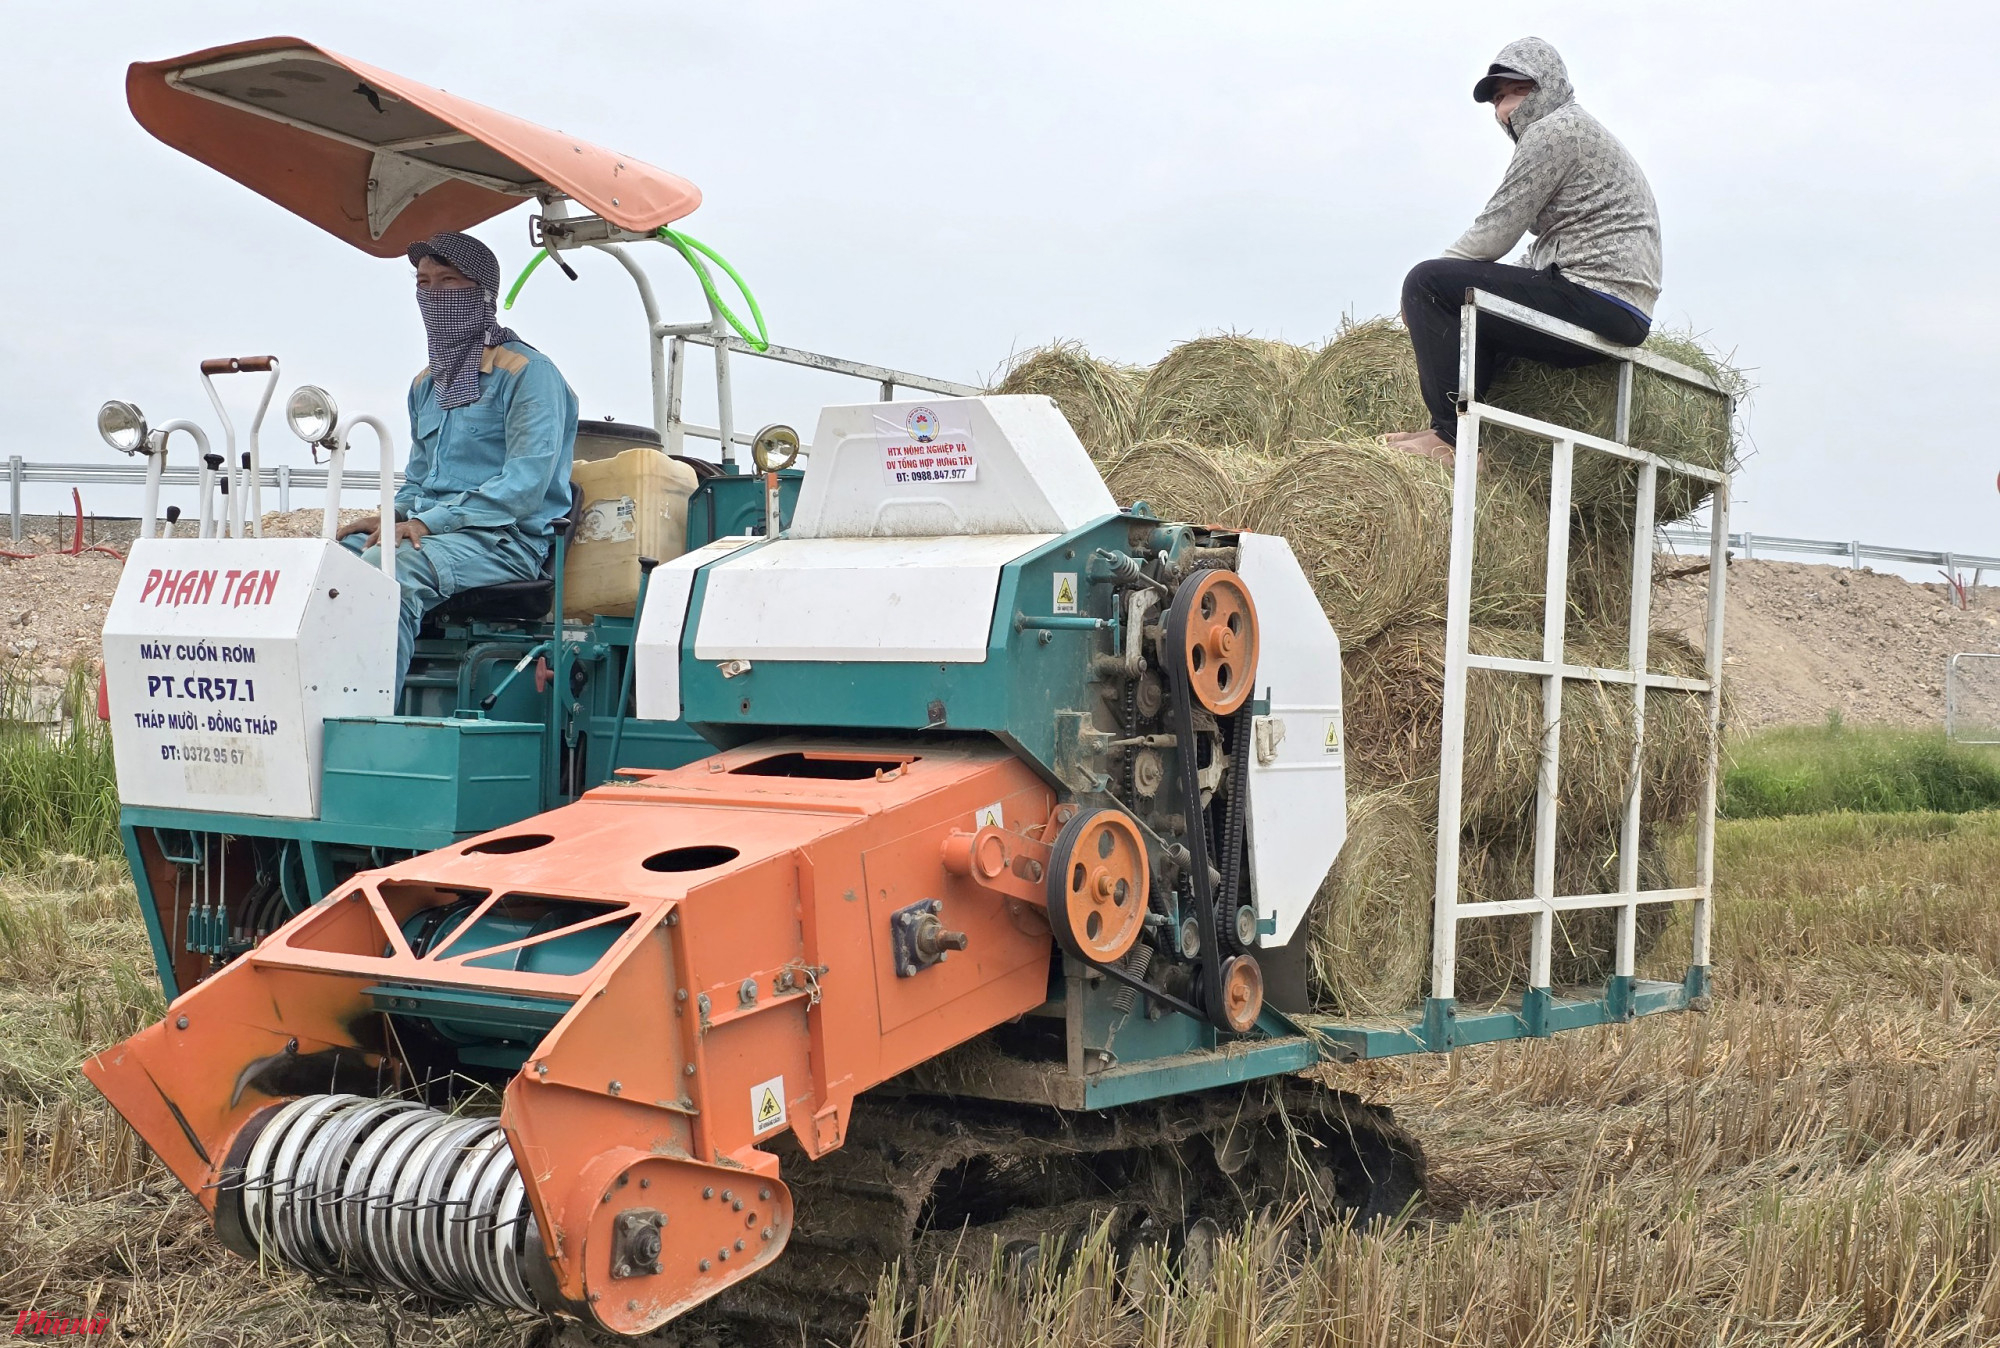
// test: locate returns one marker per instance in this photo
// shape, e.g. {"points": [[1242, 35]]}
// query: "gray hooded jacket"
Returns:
{"points": [[1574, 187]]}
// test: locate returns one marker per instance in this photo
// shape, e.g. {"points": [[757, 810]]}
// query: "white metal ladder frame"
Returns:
{"points": [[1448, 913]]}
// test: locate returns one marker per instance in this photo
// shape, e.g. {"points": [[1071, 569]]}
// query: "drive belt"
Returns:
{"points": [[1209, 906]]}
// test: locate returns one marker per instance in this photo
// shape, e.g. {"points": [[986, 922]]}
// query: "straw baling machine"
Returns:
{"points": [[928, 856]]}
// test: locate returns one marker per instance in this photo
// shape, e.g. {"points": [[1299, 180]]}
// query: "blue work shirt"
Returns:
{"points": [[502, 462]]}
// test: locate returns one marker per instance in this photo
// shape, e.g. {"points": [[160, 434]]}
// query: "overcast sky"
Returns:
{"points": [[935, 185]]}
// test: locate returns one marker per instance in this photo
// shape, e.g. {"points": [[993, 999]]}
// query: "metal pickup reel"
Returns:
{"points": [[388, 1192]]}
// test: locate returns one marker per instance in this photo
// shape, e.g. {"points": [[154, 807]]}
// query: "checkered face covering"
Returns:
{"points": [[460, 323]]}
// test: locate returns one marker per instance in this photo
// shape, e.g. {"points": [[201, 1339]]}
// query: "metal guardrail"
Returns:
{"points": [[283, 478], [1855, 553]]}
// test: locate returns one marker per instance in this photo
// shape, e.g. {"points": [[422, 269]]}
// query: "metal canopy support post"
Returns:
{"points": [[655, 347], [674, 438], [1624, 996], [725, 396]]}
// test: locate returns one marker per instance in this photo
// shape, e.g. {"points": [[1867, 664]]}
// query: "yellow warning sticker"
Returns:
{"points": [[767, 1105], [991, 817], [1331, 743], [1065, 592]]}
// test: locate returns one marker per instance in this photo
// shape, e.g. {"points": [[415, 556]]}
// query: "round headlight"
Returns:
{"points": [[123, 427], [312, 414]]}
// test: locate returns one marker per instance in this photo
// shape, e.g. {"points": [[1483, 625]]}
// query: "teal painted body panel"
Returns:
{"points": [[732, 504], [1202, 1069], [156, 935], [1028, 680], [456, 776], [1442, 1027]]}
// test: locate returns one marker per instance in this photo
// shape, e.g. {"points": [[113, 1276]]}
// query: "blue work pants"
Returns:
{"points": [[445, 565]]}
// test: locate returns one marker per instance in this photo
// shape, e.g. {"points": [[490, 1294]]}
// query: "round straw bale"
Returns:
{"points": [[1371, 527], [1362, 384], [1494, 953], [1668, 418], [1227, 390], [1186, 482], [1097, 398], [1369, 937], [1600, 573], [1394, 693], [1368, 524], [1674, 768]]}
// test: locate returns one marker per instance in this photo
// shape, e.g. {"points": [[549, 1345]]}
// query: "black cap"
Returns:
{"points": [[1482, 92], [474, 260]]}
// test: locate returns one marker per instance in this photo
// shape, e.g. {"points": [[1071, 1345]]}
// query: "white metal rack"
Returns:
{"points": [[1449, 914]]}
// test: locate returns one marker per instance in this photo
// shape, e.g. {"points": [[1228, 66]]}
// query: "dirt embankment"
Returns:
{"points": [[1803, 640]]}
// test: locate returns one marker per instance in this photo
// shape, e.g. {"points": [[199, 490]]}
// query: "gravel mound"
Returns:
{"points": [[1802, 640]]}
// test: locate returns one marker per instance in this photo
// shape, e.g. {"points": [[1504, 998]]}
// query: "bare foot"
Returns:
{"points": [[1398, 437], [1429, 444]]}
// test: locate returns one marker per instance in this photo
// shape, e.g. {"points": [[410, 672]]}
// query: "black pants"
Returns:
{"points": [[1433, 294]]}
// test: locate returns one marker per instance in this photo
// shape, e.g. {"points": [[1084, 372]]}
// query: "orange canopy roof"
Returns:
{"points": [[373, 158]]}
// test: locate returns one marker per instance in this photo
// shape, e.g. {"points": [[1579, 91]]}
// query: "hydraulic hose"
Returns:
{"points": [[693, 250]]}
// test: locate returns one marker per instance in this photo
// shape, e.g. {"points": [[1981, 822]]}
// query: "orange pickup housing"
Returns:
{"points": [[754, 986]]}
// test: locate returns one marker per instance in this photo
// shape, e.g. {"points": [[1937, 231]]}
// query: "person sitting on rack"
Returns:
{"points": [[1595, 260], [492, 429]]}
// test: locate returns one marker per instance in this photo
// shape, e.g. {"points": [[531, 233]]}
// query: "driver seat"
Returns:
{"points": [[510, 600]]}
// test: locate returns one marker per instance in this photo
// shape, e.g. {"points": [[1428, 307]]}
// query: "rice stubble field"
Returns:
{"points": [[1816, 1160]]}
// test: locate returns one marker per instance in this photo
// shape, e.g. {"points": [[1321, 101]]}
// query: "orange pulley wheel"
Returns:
{"points": [[1219, 648], [1098, 880], [1242, 992]]}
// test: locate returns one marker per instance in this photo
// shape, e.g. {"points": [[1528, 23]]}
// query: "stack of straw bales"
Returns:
{"points": [[1253, 434]]}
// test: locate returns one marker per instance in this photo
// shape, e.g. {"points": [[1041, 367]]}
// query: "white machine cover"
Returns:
{"points": [[1298, 762], [223, 658], [989, 465]]}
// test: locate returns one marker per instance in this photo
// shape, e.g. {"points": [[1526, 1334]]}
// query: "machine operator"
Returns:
{"points": [[492, 427], [1595, 259]]}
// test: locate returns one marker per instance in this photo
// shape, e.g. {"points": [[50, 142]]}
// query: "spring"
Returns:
{"points": [[1136, 964], [402, 1196]]}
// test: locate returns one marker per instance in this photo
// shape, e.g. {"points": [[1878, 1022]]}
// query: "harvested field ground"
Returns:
{"points": [[1814, 1161]]}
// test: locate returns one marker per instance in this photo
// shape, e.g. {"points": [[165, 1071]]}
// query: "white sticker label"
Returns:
{"points": [[767, 1105], [924, 450], [1330, 741], [608, 521], [990, 817], [1065, 592]]}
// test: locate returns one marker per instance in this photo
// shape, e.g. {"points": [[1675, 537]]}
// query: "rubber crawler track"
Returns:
{"points": [[923, 1179]]}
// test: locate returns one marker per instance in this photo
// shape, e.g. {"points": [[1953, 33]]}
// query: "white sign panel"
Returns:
{"points": [[224, 657], [925, 446]]}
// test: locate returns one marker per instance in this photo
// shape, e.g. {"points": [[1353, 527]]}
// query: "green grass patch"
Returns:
{"points": [[1871, 770], [58, 794]]}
